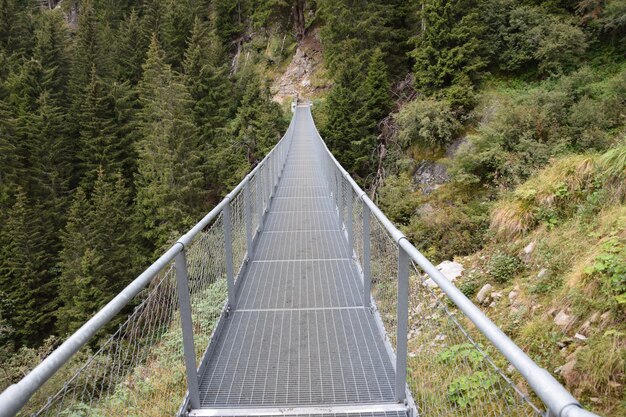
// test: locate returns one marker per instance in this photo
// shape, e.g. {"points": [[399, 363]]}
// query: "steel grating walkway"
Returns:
{"points": [[299, 336]]}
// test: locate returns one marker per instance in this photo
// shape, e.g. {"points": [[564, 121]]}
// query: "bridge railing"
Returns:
{"points": [[139, 355], [449, 358]]}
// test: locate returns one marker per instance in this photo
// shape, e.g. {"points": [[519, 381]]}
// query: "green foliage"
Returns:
{"points": [[448, 50], [99, 255], [610, 267], [427, 121], [521, 36], [530, 127], [397, 199], [170, 180], [502, 267], [464, 390], [354, 29]]}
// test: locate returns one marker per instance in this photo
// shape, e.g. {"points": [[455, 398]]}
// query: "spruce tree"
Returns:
{"points": [[100, 147], [25, 275], [131, 49], [448, 50], [170, 180], [344, 101], [376, 104], [99, 256], [206, 77]]}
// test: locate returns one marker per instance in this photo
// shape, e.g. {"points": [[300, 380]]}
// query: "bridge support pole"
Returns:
{"points": [[402, 323], [228, 254], [247, 203], [349, 222], [182, 284], [259, 197], [367, 272]]}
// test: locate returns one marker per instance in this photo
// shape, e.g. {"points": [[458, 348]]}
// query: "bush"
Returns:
{"points": [[502, 267], [580, 112], [427, 121], [397, 199]]}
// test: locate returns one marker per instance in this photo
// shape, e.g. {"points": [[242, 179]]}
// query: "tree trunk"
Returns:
{"points": [[298, 18]]}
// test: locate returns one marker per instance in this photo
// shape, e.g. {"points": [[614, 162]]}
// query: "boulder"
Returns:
{"points": [[483, 294], [450, 270], [563, 320], [530, 248]]}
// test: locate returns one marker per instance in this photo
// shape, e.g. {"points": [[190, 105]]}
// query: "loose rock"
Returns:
{"points": [[483, 293], [563, 320]]}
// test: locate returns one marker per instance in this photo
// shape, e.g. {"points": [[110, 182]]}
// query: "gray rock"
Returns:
{"points": [[483, 293], [530, 248], [429, 175], [563, 320], [513, 295], [450, 270]]}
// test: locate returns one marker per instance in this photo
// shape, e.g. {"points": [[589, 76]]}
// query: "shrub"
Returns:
{"points": [[427, 121], [502, 267]]}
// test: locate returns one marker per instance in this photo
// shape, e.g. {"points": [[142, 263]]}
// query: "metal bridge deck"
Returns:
{"points": [[299, 336]]}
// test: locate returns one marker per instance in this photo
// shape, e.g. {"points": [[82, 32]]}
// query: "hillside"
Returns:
{"points": [[493, 132]]}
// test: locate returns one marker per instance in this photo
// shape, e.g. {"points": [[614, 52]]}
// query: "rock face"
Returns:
{"points": [[296, 80], [450, 270], [483, 294], [429, 175]]}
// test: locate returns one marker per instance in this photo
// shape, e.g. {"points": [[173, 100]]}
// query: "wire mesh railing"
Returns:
{"points": [[450, 359], [147, 366]]}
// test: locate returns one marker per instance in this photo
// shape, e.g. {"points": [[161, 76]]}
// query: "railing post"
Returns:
{"points": [[402, 323], [349, 220], [228, 252], [367, 274], [186, 322], [340, 195], [259, 196], [247, 204]]}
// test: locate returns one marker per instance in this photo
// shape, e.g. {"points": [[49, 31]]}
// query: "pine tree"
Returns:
{"points": [[131, 49], [24, 273], [99, 256], [375, 93], [100, 147], [448, 50], [75, 238], [170, 180], [206, 78], [344, 101]]}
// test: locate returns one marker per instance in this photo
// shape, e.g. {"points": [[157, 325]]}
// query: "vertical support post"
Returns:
{"points": [[189, 350], [270, 177], [340, 195], [228, 252], [259, 196], [267, 181], [402, 323], [349, 220], [367, 271], [247, 204]]}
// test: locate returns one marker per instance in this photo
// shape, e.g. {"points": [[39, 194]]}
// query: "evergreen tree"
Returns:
{"points": [[24, 273], [344, 101], [448, 49], [100, 147], [376, 105], [99, 255], [131, 49], [207, 80], [170, 180]]}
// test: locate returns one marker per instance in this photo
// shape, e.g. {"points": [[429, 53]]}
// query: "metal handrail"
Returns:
{"points": [[14, 397], [557, 399]]}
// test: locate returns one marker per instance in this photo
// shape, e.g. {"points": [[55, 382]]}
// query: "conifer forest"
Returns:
{"points": [[491, 132]]}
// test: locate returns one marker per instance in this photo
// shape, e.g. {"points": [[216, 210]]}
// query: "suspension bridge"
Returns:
{"points": [[294, 296]]}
